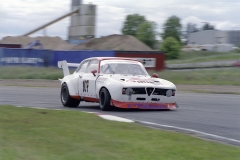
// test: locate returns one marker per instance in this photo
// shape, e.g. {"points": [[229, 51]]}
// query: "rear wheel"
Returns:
{"points": [[66, 99], [104, 100]]}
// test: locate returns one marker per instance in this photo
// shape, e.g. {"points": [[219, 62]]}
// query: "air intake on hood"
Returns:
{"points": [[149, 91]]}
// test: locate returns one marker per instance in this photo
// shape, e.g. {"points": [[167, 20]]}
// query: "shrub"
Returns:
{"points": [[171, 47]]}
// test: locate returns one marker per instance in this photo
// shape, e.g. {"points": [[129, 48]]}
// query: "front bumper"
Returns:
{"points": [[144, 105]]}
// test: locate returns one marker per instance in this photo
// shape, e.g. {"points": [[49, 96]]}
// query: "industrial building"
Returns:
{"points": [[222, 41]]}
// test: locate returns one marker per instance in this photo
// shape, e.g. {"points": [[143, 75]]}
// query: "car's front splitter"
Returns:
{"points": [[144, 105]]}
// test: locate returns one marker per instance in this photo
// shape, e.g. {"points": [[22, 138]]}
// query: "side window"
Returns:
{"points": [[82, 67], [93, 65]]}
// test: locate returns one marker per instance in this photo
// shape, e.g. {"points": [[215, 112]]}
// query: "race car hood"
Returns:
{"points": [[142, 81]]}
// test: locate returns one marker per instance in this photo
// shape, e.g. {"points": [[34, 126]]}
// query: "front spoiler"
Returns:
{"points": [[144, 105]]}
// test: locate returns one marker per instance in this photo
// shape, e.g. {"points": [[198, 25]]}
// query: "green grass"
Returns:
{"points": [[213, 92], [222, 76], [30, 73], [33, 134], [202, 56], [11, 72]]}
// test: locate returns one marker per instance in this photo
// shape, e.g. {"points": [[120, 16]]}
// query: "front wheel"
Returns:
{"points": [[66, 99], [104, 99]]}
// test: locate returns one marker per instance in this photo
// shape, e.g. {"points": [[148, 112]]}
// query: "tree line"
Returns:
{"points": [[144, 30]]}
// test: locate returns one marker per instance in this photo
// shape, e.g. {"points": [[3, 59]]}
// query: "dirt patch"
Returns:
{"points": [[52, 43], [112, 42]]}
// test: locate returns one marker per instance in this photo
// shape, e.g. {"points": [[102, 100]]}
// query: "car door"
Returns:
{"points": [[80, 71], [87, 81]]}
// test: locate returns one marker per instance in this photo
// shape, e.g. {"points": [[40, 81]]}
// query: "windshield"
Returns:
{"points": [[126, 67]]}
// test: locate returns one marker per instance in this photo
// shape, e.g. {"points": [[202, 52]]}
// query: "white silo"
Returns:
{"points": [[82, 25]]}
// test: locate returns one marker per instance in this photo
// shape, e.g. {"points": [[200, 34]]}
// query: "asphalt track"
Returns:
{"points": [[211, 116]]}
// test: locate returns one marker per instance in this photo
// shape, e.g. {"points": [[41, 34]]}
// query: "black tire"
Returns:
{"points": [[104, 100], [66, 99]]}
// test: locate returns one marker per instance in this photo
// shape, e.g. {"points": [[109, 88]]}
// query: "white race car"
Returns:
{"points": [[115, 82]]}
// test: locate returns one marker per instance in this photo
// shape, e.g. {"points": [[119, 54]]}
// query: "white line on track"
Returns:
{"points": [[115, 118], [38, 108], [111, 117], [191, 130]]}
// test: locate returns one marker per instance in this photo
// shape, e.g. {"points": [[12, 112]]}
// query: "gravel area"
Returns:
{"points": [[230, 89]]}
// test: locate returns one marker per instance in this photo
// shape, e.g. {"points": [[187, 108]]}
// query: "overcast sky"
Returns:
{"points": [[21, 16]]}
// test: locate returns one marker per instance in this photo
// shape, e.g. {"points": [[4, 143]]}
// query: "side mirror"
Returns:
{"points": [[154, 75], [94, 72]]}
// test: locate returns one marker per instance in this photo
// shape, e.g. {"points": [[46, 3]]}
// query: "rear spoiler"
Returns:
{"points": [[64, 65]]}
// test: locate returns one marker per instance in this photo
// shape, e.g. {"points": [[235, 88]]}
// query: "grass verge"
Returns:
{"points": [[20, 72], [34, 134], [203, 56], [212, 92], [221, 76]]}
